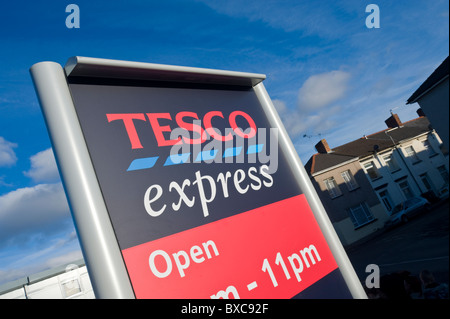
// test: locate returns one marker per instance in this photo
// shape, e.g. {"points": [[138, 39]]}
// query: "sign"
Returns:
{"points": [[199, 190]]}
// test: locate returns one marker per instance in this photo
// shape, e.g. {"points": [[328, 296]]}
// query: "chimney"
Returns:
{"points": [[322, 147], [393, 121], [420, 112]]}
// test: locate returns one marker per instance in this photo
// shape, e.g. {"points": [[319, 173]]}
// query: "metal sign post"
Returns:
{"points": [[183, 183]]}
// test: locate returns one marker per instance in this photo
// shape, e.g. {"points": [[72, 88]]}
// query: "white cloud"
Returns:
{"points": [[36, 231], [323, 89], [43, 167], [32, 212], [7, 154], [293, 121], [298, 122], [279, 105]]}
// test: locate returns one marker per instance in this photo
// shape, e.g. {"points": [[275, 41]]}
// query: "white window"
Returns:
{"points": [[349, 180], [411, 153], [391, 163], [371, 170], [360, 215], [332, 187]]}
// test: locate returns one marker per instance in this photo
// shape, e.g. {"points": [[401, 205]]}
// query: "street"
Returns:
{"points": [[422, 243]]}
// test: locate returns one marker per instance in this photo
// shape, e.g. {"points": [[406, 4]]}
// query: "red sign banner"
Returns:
{"points": [[275, 251]]}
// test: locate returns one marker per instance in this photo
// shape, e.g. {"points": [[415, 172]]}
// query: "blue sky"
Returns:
{"points": [[327, 73]]}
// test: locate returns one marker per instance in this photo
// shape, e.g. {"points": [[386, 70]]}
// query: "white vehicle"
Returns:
{"points": [[406, 210]]}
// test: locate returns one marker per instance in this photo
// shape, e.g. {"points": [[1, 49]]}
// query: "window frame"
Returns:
{"points": [[355, 215], [444, 173], [332, 187], [391, 163], [407, 187], [386, 200], [412, 154], [372, 169], [349, 180]]}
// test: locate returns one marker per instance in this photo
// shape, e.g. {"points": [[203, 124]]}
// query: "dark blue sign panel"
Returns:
{"points": [[200, 196]]}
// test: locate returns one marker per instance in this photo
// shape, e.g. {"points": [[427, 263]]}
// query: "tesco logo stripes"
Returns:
{"points": [[175, 159]]}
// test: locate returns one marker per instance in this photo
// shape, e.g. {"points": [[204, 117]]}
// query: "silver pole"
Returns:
{"points": [[316, 205], [98, 242]]}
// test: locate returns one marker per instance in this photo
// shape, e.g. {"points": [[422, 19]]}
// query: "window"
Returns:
{"points": [[428, 148], [386, 199], [444, 173], [360, 215], [391, 163], [411, 153], [349, 180], [404, 186], [332, 187], [71, 287], [371, 170]]}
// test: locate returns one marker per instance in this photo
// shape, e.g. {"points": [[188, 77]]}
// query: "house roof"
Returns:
{"points": [[439, 74], [366, 145]]}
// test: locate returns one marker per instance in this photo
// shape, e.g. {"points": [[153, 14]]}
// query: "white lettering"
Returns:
{"points": [[231, 290], [201, 191], [254, 178], [297, 269], [153, 268], [180, 190], [210, 243], [148, 200], [307, 250], [207, 189], [195, 252], [181, 266], [238, 178], [224, 180], [182, 259], [264, 171]]}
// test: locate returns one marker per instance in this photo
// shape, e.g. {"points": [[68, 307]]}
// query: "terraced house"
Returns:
{"points": [[361, 182]]}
